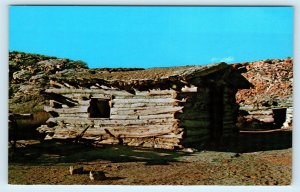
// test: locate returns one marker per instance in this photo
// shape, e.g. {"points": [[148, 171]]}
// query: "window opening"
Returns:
{"points": [[99, 108]]}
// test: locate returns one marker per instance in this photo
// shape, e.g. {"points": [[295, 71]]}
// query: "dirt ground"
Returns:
{"points": [[260, 158]]}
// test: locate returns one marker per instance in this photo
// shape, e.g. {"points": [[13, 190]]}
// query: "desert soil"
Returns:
{"points": [[262, 164]]}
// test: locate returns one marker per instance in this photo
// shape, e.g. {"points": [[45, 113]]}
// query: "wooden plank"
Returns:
{"points": [[164, 100], [88, 95], [193, 115], [124, 117], [194, 132], [133, 131], [78, 109], [156, 92], [145, 111], [172, 135], [94, 91], [94, 132], [257, 116], [142, 97], [194, 123], [102, 121], [77, 115], [117, 132], [134, 105], [161, 116], [68, 133], [109, 141], [189, 89], [260, 112]]}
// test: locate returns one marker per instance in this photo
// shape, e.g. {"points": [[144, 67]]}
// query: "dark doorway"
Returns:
{"points": [[216, 113], [279, 116], [99, 108]]}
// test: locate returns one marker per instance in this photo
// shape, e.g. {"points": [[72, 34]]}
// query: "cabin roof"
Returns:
{"points": [[142, 78], [140, 73]]}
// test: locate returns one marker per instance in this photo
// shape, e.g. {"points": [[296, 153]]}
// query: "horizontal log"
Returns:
{"points": [[110, 141], [143, 97], [124, 117], [267, 120], [115, 132], [194, 132], [97, 121], [161, 140], [145, 111], [194, 123], [134, 105], [133, 112], [161, 116], [165, 146], [257, 116], [253, 108], [164, 100], [88, 95], [132, 131], [189, 89], [59, 137], [77, 115], [172, 135], [94, 132], [77, 109], [68, 133], [193, 115], [266, 112], [94, 91], [156, 92]]}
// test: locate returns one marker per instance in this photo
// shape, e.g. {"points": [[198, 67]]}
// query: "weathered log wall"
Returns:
{"points": [[157, 118], [264, 115], [146, 118], [195, 117]]}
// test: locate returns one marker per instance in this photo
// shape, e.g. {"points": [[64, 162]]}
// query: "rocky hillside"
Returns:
{"points": [[272, 80], [29, 74]]}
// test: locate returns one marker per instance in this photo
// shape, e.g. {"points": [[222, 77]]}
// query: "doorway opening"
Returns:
{"points": [[279, 115]]}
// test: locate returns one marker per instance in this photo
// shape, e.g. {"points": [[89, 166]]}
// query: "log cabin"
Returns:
{"points": [[166, 108]]}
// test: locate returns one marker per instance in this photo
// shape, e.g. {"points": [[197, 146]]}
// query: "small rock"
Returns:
{"points": [[97, 175], [236, 155], [188, 150]]}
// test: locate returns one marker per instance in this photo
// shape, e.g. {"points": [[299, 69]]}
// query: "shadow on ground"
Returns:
{"points": [[252, 141], [47, 153]]}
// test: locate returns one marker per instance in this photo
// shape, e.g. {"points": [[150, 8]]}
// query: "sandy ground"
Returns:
{"points": [[265, 159]]}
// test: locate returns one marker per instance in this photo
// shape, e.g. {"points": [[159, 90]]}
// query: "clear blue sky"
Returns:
{"points": [[133, 36]]}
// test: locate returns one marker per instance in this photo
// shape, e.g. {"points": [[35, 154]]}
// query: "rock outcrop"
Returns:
{"points": [[272, 91], [29, 74]]}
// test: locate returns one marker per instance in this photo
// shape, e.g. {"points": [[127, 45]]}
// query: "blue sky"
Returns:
{"points": [[152, 36]]}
